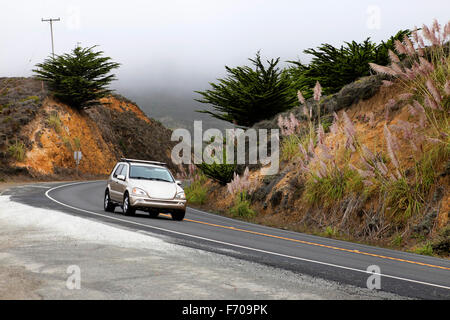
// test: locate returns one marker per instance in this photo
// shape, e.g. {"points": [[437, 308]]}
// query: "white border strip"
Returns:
{"points": [[226, 243]]}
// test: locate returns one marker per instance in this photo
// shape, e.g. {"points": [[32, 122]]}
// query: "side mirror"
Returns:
{"points": [[178, 182], [121, 177]]}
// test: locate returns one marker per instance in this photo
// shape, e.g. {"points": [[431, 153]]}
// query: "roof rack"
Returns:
{"points": [[143, 161]]}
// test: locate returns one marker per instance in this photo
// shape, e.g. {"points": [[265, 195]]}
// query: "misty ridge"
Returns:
{"points": [[173, 108]]}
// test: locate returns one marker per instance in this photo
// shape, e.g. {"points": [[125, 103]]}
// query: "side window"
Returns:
{"points": [[124, 170], [118, 170]]}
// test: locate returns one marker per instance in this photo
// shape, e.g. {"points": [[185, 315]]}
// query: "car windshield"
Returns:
{"points": [[150, 173]]}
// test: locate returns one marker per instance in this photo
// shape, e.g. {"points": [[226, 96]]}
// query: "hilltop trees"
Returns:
{"points": [[335, 67], [248, 95], [78, 78]]}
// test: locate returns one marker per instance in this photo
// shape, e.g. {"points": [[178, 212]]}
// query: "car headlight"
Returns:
{"points": [[180, 195], [138, 192]]}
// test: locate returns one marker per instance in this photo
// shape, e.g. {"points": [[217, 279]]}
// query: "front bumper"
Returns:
{"points": [[150, 203]]}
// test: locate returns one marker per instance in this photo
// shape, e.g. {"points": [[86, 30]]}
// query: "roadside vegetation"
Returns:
{"points": [[197, 191], [240, 188], [352, 187], [79, 78], [17, 151], [248, 95]]}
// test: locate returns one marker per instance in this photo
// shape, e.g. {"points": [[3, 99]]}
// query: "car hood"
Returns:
{"points": [[157, 189]]}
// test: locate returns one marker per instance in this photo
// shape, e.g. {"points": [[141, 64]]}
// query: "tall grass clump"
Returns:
{"points": [[325, 181], [240, 188], [289, 127], [332, 185], [54, 122], [241, 207], [424, 74], [77, 143], [17, 151], [67, 143], [197, 191], [220, 171]]}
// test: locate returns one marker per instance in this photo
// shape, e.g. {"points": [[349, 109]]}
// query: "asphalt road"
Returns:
{"points": [[402, 273]]}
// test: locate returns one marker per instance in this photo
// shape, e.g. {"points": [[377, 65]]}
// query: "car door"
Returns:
{"points": [[122, 184], [114, 186]]}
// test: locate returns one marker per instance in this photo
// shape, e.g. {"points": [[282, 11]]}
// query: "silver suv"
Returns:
{"points": [[144, 185]]}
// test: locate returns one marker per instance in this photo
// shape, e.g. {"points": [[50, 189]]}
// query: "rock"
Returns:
{"points": [[442, 245], [276, 198], [361, 89], [427, 223]]}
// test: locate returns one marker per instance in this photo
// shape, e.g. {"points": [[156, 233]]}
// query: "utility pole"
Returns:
{"points": [[51, 31]]}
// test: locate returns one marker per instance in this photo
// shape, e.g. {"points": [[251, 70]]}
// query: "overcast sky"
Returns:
{"points": [[182, 45]]}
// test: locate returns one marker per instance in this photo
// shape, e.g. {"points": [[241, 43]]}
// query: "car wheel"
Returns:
{"points": [[128, 210], [153, 214], [178, 215], [107, 204]]}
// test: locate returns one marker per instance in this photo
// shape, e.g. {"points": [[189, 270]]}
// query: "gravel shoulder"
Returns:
{"points": [[39, 249]]}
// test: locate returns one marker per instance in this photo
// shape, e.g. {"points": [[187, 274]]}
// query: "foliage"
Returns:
{"points": [[289, 147], [197, 192], [426, 249], [220, 172], [404, 199], [67, 143], [17, 150], [248, 95], [329, 188], [77, 143], [241, 207], [242, 183], [335, 67], [78, 78], [331, 231], [425, 76], [54, 122]]}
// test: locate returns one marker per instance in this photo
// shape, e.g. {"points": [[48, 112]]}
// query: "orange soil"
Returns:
{"points": [[98, 157], [370, 134], [122, 106]]}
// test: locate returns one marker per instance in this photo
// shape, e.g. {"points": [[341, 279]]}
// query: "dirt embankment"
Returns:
{"points": [[38, 135], [280, 200]]}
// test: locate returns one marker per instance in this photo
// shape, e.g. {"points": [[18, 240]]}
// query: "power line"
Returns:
{"points": [[51, 31]]}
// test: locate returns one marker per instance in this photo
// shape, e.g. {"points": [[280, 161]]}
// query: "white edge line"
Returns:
{"points": [[229, 244]]}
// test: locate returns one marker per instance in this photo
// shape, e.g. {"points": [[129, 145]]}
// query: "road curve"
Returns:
{"points": [[402, 273]]}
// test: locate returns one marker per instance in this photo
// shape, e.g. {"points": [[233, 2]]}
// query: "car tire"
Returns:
{"points": [[128, 210], [108, 206], [178, 215], [153, 214]]}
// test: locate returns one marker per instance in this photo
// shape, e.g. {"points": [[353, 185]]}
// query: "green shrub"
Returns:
{"points": [[77, 143], [331, 231], [54, 122], [426, 249], [398, 240], [67, 143], [248, 95], [197, 192], [80, 78], [335, 67], [17, 151], [241, 207], [222, 173], [35, 99], [332, 187], [289, 147], [403, 199]]}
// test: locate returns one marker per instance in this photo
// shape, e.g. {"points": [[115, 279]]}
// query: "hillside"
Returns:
{"points": [[38, 135], [291, 200]]}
